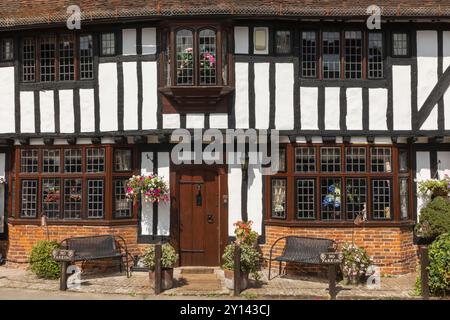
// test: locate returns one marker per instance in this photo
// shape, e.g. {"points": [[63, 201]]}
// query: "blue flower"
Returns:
{"points": [[331, 188]]}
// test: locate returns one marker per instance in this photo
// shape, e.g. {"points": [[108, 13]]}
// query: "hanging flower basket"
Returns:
{"points": [[151, 187]]}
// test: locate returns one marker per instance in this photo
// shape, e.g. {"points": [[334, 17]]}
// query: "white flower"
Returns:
{"points": [[2, 180]]}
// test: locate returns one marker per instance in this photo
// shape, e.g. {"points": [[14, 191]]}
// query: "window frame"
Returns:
{"points": [[100, 44], [2, 49], [291, 41], [108, 177], [169, 60], [292, 176], [58, 36], [342, 48], [408, 44]]}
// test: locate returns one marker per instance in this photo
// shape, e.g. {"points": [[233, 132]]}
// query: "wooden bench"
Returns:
{"points": [[97, 248], [301, 250]]}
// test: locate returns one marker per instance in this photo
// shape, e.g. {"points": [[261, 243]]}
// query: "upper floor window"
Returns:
{"points": [[333, 55], [50, 58], [108, 44], [6, 49], [400, 44], [283, 42], [196, 63], [195, 56]]}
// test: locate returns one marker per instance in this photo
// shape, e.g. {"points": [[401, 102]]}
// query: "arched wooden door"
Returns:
{"points": [[202, 215]]}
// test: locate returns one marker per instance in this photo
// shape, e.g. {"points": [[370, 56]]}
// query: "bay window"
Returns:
{"points": [[337, 183], [73, 183], [195, 55]]}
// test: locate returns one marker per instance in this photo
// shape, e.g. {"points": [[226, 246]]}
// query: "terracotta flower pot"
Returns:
{"points": [[166, 278], [229, 280]]}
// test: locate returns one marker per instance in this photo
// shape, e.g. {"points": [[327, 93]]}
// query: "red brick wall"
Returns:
{"points": [[391, 248], [23, 237]]}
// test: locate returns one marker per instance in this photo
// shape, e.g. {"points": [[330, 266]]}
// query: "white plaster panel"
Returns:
{"points": [[171, 121], [87, 110], [234, 197], [401, 84], [241, 95], [7, 105], [309, 108], [130, 93], [354, 119], [255, 198], [241, 40], [148, 41], [427, 64], [27, 112], [195, 121], [66, 111], [129, 42], [262, 95], [164, 207], [218, 120], [423, 172], [443, 158], [107, 79], [378, 101], [332, 108], [284, 96], [47, 109], [150, 95], [147, 207]]}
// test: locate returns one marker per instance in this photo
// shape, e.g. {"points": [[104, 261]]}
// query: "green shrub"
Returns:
{"points": [[169, 257], [250, 259], [439, 270], [41, 260], [434, 219]]}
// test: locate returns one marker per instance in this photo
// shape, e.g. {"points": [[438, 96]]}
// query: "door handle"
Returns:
{"points": [[210, 218]]}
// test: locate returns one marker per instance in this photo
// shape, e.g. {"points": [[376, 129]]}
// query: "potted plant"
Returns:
{"points": [[168, 261], [250, 256], [355, 263], [151, 187], [435, 188]]}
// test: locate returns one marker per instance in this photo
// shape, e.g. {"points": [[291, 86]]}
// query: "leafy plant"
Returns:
{"points": [[250, 259], [434, 219], [355, 262], [41, 260], [439, 269], [435, 187], [244, 233], [152, 187], [250, 256], [168, 260]]}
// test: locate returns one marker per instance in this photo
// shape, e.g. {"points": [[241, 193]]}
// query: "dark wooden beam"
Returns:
{"points": [[48, 141], [71, 140], [433, 99]]}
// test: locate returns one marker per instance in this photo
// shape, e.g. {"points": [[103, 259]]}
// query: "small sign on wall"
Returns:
{"points": [[331, 257]]}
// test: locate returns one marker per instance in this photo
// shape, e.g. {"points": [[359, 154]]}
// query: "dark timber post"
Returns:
{"points": [[237, 270], [424, 262], [63, 276], [158, 271], [332, 278]]}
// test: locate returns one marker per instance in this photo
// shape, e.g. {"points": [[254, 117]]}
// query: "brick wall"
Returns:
{"points": [[23, 237], [391, 248]]}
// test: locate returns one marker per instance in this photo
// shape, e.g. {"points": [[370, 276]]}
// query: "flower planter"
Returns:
{"points": [[166, 278], [229, 280]]}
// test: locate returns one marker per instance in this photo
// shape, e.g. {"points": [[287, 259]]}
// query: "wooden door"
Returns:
{"points": [[200, 217]]}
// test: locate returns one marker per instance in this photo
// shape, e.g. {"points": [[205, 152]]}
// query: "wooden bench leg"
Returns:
{"points": [[279, 270]]}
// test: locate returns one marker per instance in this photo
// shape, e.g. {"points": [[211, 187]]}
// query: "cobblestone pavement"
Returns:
{"points": [[212, 286]]}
